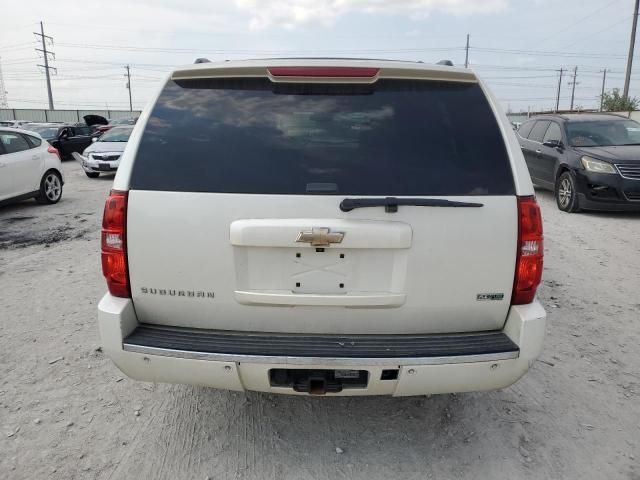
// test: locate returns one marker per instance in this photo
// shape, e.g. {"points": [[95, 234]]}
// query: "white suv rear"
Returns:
{"points": [[341, 227]]}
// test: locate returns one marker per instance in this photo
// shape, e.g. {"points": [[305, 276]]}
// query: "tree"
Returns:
{"points": [[614, 102]]}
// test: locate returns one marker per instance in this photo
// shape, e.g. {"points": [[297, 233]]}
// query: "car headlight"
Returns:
{"points": [[596, 166]]}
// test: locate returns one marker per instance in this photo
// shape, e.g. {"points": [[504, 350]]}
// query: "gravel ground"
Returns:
{"points": [[66, 412]]}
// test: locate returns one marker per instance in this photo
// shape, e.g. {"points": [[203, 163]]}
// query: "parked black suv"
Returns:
{"points": [[590, 161]]}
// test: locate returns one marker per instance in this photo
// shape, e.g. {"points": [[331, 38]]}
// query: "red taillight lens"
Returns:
{"points": [[51, 149], [114, 244], [332, 72], [530, 252]]}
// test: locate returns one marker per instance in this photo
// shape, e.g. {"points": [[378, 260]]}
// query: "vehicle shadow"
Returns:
{"points": [[18, 206], [104, 177]]}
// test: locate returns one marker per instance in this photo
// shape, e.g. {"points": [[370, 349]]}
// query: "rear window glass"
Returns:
{"points": [[34, 141], [537, 134], [45, 132], [525, 128], [391, 138], [83, 131], [554, 134]]}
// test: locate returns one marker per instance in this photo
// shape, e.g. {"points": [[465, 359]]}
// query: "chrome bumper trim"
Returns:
{"points": [[337, 361]]}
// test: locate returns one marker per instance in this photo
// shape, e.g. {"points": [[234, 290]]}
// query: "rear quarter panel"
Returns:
{"points": [[521, 177]]}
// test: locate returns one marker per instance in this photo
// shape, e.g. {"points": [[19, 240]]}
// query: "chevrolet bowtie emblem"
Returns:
{"points": [[320, 237]]}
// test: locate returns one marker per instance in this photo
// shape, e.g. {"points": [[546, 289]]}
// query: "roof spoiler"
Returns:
{"points": [[272, 69]]}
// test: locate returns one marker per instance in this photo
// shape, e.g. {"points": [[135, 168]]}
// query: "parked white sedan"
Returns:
{"points": [[14, 123], [29, 167], [103, 155]]}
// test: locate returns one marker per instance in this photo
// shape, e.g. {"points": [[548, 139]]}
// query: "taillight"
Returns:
{"points": [[326, 72], [114, 244], [51, 149], [530, 252]]}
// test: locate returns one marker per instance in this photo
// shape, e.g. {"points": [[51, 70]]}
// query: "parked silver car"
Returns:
{"points": [[103, 155]]}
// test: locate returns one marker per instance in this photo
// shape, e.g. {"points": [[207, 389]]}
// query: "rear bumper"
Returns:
{"points": [[426, 364]]}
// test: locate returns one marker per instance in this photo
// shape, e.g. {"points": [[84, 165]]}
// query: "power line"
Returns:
{"points": [[593, 34], [17, 46], [577, 22], [202, 50], [467, 49], [519, 77], [17, 27], [514, 99], [530, 85], [21, 61], [543, 53]]}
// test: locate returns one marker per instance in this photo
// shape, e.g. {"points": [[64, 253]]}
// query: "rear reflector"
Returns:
{"points": [[530, 252], [114, 244], [324, 72]]}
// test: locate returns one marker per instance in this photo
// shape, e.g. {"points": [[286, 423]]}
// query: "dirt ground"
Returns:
{"points": [[66, 412]]}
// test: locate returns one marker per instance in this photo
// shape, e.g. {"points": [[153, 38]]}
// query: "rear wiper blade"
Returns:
{"points": [[391, 204]]}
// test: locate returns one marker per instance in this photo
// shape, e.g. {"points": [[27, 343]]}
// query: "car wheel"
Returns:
{"points": [[566, 193], [50, 188], [92, 174]]}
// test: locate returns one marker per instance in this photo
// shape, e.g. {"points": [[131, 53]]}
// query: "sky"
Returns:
{"points": [[517, 46]]}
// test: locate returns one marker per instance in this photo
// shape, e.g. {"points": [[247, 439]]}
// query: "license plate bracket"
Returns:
{"points": [[318, 382], [322, 271]]}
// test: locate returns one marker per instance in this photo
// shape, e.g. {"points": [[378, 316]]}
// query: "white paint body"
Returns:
{"points": [[418, 270], [21, 172]]}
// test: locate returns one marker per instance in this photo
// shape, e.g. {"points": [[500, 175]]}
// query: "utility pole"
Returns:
{"points": [[45, 54], [573, 88], [558, 94], [3, 93], [632, 44], [604, 80], [466, 55], [128, 75]]}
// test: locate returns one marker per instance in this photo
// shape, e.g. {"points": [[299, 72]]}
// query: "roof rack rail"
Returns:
{"points": [[447, 63], [202, 60]]}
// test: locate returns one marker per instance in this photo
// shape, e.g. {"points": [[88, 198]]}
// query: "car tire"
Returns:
{"points": [[566, 193], [50, 188], [92, 174]]}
